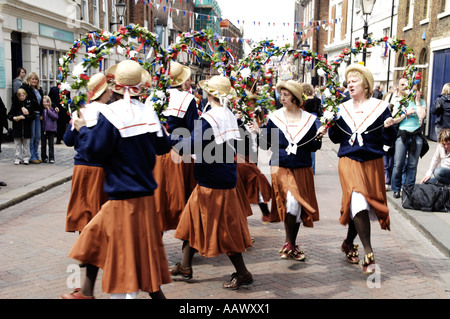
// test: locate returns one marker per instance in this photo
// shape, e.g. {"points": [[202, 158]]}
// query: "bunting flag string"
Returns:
{"points": [[301, 28]]}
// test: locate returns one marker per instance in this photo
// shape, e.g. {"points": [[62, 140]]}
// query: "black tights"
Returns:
{"points": [[291, 227], [188, 254], [360, 225]]}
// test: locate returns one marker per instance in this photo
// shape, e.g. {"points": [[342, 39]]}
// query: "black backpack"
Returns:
{"points": [[426, 197]]}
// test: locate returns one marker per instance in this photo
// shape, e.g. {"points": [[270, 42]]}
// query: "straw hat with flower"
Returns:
{"points": [[96, 86], [129, 77], [364, 72], [219, 86], [179, 73], [292, 86]]}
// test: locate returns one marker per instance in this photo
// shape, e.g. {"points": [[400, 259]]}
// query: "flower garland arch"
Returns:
{"points": [[252, 70], [329, 70], [131, 41]]}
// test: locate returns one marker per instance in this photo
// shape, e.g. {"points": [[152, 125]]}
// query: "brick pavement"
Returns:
{"points": [[34, 246]]}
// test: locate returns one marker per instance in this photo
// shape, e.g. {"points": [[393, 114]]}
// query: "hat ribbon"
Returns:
{"points": [[133, 88], [91, 93]]}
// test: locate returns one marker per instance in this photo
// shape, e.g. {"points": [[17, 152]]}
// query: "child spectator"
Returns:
{"points": [[21, 116], [49, 126]]}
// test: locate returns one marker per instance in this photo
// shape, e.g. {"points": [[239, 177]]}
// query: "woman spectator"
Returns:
{"points": [[441, 109], [408, 146], [440, 163], [35, 94]]}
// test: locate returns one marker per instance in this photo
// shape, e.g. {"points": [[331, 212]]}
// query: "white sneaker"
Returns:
{"points": [[26, 162], [17, 162]]}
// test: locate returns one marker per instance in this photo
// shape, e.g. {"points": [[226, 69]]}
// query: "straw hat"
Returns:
{"points": [[219, 86], [179, 73], [128, 73], [96, 86], [292, 86], [364, 72]]}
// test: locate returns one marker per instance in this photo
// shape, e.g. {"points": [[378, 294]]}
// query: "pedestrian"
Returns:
{"points": [[35, 94], [124, 237], [21, 116], [363, 127], [3, 124], [345, 93], [49, 126], [392, 97], [214, 220], [377, 92], [181, 114], [312, 105], [291, 134], [63, 113], [408, 146], [3, 121], [440, 163], [85, 202], [21, 73], [441, 109], [256, 186]]}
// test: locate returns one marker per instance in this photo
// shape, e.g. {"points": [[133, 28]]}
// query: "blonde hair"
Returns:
{"points": [[444, 135], [367, 90], [33, 75], [308, 89], [21, 91], [46, 97], [446, 89]]}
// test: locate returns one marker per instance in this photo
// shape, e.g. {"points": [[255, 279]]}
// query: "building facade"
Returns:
{"points": [[425, 26], [36, 36]]}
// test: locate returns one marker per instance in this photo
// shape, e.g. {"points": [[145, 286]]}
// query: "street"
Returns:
{"points": [[34, 262]]}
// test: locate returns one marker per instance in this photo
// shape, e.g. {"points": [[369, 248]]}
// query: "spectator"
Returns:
{"points": [[3, 124], [409, 142], [441, 109], [440, 163], [18, 81], [21, 115], [346, 93], [3, 121], [63, 114], [49, 123], [377, 93], [35, 94]]}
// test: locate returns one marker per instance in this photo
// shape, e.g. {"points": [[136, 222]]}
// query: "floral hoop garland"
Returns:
{"points": [[251, 70], [129, 41], [329, 70]]}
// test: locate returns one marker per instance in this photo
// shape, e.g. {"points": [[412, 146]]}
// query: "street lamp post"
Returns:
{"points": [[121, 7], [367, 7], [305, 46]]}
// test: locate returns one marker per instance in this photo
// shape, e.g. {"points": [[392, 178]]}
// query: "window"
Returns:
{"points": [[84, 10], [409, 13], [426, 5], [49, 60], [445, 5], [105, 14], [95, 12]]}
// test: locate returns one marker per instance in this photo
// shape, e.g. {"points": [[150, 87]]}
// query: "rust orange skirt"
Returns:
{"points": [[214, 222], [174, 182], [254, 182], [124, 239], [368, 179], [87, 196], [300, 183]]}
